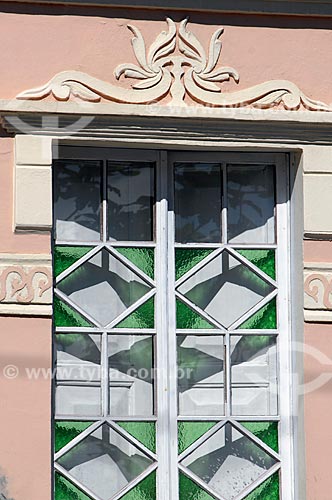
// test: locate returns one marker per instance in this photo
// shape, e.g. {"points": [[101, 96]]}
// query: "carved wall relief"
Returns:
{"points": [[175, 64], [25, 284], [318, 292]]}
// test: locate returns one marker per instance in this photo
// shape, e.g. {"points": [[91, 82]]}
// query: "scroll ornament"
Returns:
{"points": [[176, 64], [319, 287], [24, 286]]}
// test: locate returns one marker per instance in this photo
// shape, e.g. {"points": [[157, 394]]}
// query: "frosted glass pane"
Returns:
{"points": [[197, 202], [77, 400], [78, 357], [254, 375], [200, 375], [77, 200], [104, 287], [105, 462], [130, 361], [131, 196], [225, 289], [229, 462], [251, 202]]}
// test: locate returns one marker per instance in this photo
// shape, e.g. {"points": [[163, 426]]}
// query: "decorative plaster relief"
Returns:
{"points": [[318, 292], [176, 64], [25, 284]]}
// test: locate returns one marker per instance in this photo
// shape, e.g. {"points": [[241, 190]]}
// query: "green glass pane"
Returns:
{"points": [[145, 432], [142, 317], [64, 490], [264, 319], [265, 431], [190, 490], [189, 432], [188, 318], [64, 432], [186, 259], [249, 345], [64, 315], [145, 490], [143, 258], [263, 259], [269, 490], [64, 257]]}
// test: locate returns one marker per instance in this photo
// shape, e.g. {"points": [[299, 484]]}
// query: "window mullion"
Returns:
{"points": [[104, 218], [172, 339], [162, 349]]}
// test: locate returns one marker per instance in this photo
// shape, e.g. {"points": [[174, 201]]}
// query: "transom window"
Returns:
{"points": [[171, 325]]}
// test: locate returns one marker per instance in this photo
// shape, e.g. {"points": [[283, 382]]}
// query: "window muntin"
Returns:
{"points": [[236, 345]]}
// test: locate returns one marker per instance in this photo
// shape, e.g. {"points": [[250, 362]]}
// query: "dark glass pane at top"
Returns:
{"points": [[77, 199], [197, 202], [251, 202], [131, 197]]}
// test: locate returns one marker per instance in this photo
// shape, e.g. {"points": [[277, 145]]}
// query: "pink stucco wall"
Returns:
{"points": [[25, 430], [38, 42], [318, 414]]}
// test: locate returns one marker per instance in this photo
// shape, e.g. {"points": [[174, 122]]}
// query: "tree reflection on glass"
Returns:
{"points": [[250, 204], [77, 199], [131, 196], [197, 202]]}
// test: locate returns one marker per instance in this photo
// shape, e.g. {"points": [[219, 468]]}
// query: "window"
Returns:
{"points": [[171, 318]]}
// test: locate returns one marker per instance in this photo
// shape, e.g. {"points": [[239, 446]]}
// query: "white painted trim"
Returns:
{"points": [[311, 316], [11, 109], [25, 310]]}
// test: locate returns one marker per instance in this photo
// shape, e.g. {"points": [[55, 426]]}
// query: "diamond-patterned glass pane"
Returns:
{"points": [[188, 318], [228, 462], [269, 490], [145, 432], [65, 490], [142, 317], [225, 289], [187, 258], [64, 432], [191, 491], [104, 287], [64, 315], [105, 462], [265, 431], [263, 259], [66, 256], [189, 432], [145, 490], [142, 257], [264, 319]]}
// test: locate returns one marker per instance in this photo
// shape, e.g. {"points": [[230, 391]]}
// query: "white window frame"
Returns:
{"points": [[167, 389]]}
